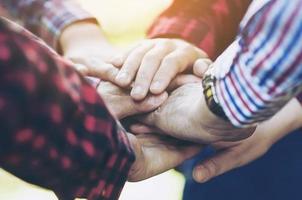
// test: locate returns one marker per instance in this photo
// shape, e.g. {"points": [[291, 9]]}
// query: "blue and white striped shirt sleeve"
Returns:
{"points": [[265, 71]]}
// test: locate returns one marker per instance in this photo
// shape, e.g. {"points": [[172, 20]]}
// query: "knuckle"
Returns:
{"points": [[151, 56], [212, 167], [130, 66], [109, 71], [94, 61], [171, 59], [187, 48], [166, 43], [174, 62]]}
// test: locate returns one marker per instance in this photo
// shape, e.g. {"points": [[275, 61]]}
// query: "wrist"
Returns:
{"points": [[87, 32], [283, 124], [218, 127]]}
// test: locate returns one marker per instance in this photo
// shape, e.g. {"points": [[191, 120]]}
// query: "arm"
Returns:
{"points": [[185, 26], [202, 23], [57, 132], [70, 30], [263, 73], [47, 18], [233, 155], [249, 86]]}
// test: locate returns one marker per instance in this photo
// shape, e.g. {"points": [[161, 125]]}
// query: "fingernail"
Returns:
{"points": [[156, 86], [137, 91], [198, 175], [123, 78]]}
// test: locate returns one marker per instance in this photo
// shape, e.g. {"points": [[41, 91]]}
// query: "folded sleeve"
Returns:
{"points": [[210, 24], [56, 131], [46, 18], [266, 70]]}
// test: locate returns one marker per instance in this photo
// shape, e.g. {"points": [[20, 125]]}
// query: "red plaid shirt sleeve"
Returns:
{"points": [[209, 24], [56, 131], [46, 18]]}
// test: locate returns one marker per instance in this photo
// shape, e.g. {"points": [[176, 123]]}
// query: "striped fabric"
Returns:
{"points": [[266, 71], [45, 18]]}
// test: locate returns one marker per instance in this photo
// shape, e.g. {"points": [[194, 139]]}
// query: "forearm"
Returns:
{"points": [[83, 33], [57, 131], [284, 123], [46, 18], [254, 82]]}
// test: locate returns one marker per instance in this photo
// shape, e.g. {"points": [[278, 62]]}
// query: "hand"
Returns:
{"points": [[122, 105], [186, 116], [154, 63], [84, 44], [156, 154], [233, 155]]}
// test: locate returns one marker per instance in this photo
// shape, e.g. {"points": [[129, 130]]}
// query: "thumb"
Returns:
{"points": [[138, 129], [95, 67], [150, 103], [217, 165], [182, 80], [201, 66], [81, 68]]}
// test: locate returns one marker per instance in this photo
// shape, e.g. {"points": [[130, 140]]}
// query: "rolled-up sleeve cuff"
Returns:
{"points": [[299, 97], [108, 178]]}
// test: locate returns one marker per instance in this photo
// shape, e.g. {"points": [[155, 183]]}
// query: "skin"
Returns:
{"points": [[151, 66], [154, 63], [236, 154], [154, 153], [84, 43], [185, 115]]}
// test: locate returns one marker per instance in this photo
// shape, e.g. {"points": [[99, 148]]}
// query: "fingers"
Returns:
{"points": [[217, 165], [150, 103], [182, 80], [119, 59], [81, 68], [149, 65], [155, 63], [159, 155], [95, 67], [142, 129], [201, 66], [132, 63], [122, 105], [172, 64]]}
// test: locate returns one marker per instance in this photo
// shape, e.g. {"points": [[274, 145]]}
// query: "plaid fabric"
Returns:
{"points": [[55, 129], [46, 18], [266, 69], [209, 24]]}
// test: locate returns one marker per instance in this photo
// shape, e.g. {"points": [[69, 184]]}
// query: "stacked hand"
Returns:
{"points": [[158, 152], [236, 154], [183, 115], [145, 73], [154, 153], [186, 116], [158, 61]]}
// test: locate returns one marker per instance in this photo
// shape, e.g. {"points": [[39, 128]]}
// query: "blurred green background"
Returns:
{"points": [[124, 22]]}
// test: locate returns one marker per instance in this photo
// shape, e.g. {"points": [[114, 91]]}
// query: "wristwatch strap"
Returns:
{"points": [[208, 84]]}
